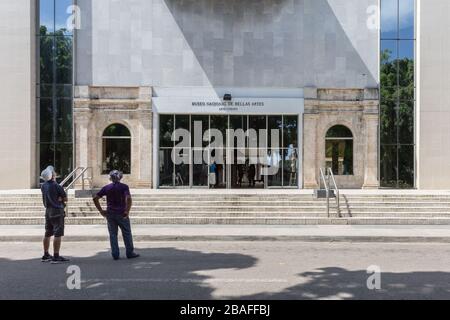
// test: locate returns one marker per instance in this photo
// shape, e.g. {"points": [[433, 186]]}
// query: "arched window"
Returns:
{"points": [[116, 149], [339, 150]]}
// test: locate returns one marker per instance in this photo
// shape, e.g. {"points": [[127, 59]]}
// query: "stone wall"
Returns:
{"points": [[18, 94], [356, 109], [96, 108]]}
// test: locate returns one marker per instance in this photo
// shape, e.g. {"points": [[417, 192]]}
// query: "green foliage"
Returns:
{"points": [[397, 120]]}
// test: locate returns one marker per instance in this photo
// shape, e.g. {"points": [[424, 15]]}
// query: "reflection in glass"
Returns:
{"points": [[388, 121], [46, 120], [275, 164], [406, 122], [290, 167], [389, 19], [116, 149], [47, 155], [166, 127], [275, 123], [389, 166], [220, 123], [64, 60], [182, 169], [204, 122], [245, 165], [64, 159], [397, 91], [200, 172], [166, 168], [47, 58], [406, 166], [290, 133], [47, 14], [406, 23], [54, 86], [218, 169], [64, 120], [61, 15], [339, 150]]}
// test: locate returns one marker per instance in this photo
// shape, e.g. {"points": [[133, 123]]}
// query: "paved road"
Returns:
{"points": [[231, 270]]}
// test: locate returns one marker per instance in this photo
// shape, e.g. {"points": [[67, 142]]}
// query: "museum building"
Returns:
{"points": [[109, 85]]}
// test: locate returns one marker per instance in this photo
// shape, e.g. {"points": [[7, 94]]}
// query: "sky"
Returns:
{"points": [[47, 13], [405, 12]]}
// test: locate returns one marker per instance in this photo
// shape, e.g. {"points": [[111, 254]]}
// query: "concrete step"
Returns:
{"points": [[311, 214], [243, 221]]}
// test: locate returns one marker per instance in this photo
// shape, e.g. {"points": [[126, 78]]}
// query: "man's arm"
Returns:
{"points": [[98, 206], [129, 205], [62, 195]]}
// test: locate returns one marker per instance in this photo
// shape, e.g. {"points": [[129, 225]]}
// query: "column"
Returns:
{"points": [[371, 152]]}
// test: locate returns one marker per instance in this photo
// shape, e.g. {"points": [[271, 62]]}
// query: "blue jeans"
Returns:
{"points": [[116, 221]]}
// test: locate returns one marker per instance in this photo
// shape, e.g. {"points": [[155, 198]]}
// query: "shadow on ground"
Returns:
{"points": [[170, 273], [161, 273], [339, 283]]}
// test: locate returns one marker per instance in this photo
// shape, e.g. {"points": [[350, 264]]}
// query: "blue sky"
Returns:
{"points": [[394, 13], [49, 16]]}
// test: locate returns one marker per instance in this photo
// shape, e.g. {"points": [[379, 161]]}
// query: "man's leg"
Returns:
{"points": [[46, 243], [113, 229], [125, 227], [56, 246]]}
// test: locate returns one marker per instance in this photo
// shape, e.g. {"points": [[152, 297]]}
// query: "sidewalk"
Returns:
{"points": [[242, 233]]}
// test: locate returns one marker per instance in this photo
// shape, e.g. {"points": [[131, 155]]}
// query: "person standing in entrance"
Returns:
{"points": [[54, 198], [119, 204]]}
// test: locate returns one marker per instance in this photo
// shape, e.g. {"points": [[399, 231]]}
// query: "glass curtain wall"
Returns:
{"points": [[54, 86], [236, 170], [397, 90]]}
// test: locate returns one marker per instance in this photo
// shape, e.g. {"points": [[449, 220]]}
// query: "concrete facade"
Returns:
{"points": [[96, 108], [433, 112], [358, 111], [227, 43], [17, 91], [236, 44]]}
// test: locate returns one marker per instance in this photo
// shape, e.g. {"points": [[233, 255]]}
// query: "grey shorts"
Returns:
{"points": [[54, 227]]}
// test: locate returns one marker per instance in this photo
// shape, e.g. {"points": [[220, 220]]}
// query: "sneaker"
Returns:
{"points": [[134, 256], [47, 258], [59, 259]]}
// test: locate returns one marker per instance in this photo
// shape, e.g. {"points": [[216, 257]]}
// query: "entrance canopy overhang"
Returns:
{"points": [[248, 101]]}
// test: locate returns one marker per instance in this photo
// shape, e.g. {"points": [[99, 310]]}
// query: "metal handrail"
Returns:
{"points": [[70, 176], [327, 189], [330, 174], [81, 175]]}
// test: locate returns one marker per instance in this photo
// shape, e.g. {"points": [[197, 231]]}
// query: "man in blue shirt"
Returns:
{"points": [[119, 204], [54, 198]]}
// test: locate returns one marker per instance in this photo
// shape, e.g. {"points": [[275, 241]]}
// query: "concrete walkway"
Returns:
{"points": [[242, 233]]}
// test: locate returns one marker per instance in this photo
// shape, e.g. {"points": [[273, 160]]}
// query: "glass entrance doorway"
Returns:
{"points": [[228, 151]]}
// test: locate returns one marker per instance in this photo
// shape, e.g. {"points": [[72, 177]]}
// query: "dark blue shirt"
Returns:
{"points": [[116, 197], [53, 195]]}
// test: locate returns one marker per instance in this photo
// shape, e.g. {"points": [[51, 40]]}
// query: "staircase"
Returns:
{"points": [[245, 209]]}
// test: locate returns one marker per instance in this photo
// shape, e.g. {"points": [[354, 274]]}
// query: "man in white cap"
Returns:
{"points": [[54, 198]]}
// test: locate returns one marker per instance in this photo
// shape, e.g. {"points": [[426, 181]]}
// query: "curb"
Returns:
{"points": [[232, 238]]}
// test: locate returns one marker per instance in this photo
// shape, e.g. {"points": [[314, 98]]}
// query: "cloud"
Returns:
{"points": [[389, 14]]}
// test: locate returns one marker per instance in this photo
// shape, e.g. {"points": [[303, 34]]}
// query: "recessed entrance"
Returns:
{"points": [[228, 151]]}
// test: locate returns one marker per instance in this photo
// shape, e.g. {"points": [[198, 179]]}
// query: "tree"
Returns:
{"points": [[397, 120]]}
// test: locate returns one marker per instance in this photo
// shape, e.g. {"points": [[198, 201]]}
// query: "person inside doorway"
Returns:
{"points": [[54, 198], [251, 175], [119, 204]]}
